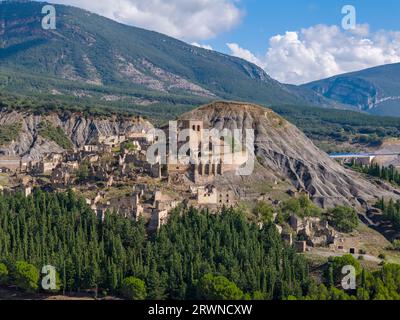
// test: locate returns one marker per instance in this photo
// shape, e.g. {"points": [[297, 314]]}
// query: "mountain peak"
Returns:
{"points": [[251, 114]]}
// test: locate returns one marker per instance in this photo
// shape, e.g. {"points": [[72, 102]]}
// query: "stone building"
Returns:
{"points": [[48, 164], [140, 164], [316, 232], [4, 170], [212, 196], [162, 206], [91, 148], [207, 195], [60, 177], [208, 156]]}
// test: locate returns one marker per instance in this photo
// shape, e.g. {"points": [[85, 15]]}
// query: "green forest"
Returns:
{"points": [[389, 173], [197, 255]]}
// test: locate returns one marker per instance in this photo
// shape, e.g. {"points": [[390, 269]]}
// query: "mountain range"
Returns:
{"points": [[89, 58]]}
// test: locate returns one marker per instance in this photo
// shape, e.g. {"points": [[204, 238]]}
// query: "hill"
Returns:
{"points": [[285, 154], [375, 90]]}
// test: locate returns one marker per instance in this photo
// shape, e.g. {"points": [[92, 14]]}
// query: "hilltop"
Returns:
{"points": [[284, 154]]}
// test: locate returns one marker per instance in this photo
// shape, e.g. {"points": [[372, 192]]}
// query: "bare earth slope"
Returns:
{"points": [[285, 153]]}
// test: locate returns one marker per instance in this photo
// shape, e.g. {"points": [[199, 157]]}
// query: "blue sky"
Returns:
{"points": [[264, 19], [295, 41]]}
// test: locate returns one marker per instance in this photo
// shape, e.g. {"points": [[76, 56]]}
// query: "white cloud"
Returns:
{"points": [[204, 46], [184, 19], [237, 51], [322, 51]]}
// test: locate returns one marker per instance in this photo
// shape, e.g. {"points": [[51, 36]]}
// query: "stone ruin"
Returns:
{"points": [[314, 231]]}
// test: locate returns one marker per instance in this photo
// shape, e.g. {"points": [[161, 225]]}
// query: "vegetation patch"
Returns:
{"points": [[344, 219], [55, 134], [3, 179], [391, 212], [9, 132]]}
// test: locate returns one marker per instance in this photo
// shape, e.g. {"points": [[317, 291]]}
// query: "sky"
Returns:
{"points": [[295, 41]]}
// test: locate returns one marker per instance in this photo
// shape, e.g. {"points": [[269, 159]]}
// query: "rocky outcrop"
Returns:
{"points": [[285, 153], [80, 129]]}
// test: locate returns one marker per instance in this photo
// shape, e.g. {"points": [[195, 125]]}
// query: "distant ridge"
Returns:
{"points": [[374, 90]]}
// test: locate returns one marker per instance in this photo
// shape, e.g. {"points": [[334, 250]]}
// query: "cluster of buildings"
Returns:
{"points": [[315, 232], [114, 175], [121, 160]]}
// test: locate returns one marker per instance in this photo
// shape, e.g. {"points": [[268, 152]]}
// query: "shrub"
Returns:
{"points": [[26, 276], [258, 296], [396, 245], [264, 210], [302, 206], [218, 288], [133, 289]]}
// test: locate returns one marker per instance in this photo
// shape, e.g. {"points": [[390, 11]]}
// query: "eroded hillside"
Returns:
{"points": [[285, 153], [31, 141]]}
